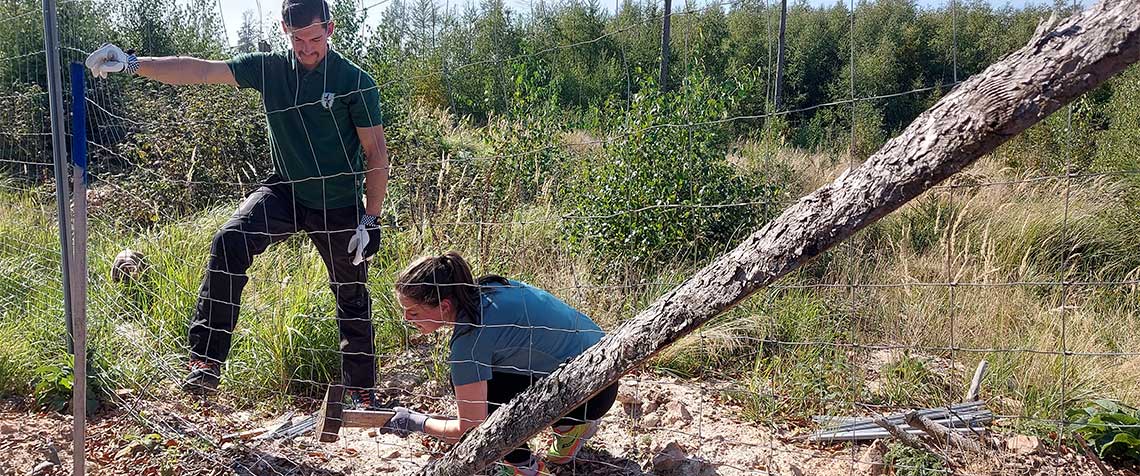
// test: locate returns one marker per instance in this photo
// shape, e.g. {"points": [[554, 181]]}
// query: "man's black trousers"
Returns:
{"points": [[270, 215]]}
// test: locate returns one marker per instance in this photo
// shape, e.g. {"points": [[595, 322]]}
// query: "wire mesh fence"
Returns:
{"points": [[539, 147]]}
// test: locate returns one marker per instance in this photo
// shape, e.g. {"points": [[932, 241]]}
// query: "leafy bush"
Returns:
{"points": [[1117, 143], [1111, 427], [1063, 141], [54, 384], [527, 158], [192, 148], [908, 461], [447, 169], [664, 189], [422, 162], [20, 141]]}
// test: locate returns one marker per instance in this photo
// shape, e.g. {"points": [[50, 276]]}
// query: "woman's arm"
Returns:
{"points": [[472, 402]]}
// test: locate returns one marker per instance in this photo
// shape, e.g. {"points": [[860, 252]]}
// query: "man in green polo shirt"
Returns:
{"points": [[327, 145]]}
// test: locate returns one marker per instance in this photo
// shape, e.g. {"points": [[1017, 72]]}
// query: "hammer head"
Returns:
{"points": [[331, 415]]}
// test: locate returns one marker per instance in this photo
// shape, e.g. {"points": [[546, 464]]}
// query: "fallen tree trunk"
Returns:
{"points": [[1060, 62]]}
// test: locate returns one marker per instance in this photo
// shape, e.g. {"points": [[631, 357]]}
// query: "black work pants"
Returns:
{"points": [[270, 215]]}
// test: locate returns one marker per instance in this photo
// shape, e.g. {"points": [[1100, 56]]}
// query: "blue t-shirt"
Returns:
{"points": [[524, 330]]}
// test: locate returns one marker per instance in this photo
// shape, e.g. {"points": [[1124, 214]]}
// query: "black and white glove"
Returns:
{"points": [[111, 59], [405, 422], [365, 239]]}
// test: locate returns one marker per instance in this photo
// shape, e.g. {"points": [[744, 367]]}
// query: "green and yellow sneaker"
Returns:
{"points": [[534, 467], [568, 440]]}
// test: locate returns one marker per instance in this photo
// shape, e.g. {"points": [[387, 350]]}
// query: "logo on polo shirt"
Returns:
{"points": [[327, 100]]}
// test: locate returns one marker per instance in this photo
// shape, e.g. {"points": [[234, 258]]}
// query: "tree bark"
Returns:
{"points": [[1057, 65]]}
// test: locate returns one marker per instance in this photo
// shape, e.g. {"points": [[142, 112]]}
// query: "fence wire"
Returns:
{"points": [[893, 319]]}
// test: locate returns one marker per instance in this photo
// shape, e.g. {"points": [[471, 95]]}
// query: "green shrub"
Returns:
{"points": [[527, 159], [1111, 427], [422, 163], [445, 169], [20, 141], [194, 147], [1060, 142], [1116, 145], [664, 190], [55, 383], [908, 461]]}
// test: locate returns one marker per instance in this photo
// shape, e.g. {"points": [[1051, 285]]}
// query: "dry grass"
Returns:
{"points": [[580, 142], [1007, 238], [1008, 244], [1003, 235]]}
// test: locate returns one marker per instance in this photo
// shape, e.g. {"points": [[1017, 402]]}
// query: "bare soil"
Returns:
{"points": [[661, 426]]}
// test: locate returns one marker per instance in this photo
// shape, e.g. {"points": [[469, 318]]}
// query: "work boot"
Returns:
{"points": [[203, 378], [363, 399]]}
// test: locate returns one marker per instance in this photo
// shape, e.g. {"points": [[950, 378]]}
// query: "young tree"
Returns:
{"points": [[424, 17], [248, 33], [351, 32]]}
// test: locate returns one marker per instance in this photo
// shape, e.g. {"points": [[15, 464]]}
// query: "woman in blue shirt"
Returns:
{"points": [[507, 334]]}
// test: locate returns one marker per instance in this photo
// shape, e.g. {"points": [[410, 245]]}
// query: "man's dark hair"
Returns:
{"points": [[302, 13]]}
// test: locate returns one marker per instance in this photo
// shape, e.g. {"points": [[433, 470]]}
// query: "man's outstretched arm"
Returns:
{"points": [[186, 70], [170, 69]]}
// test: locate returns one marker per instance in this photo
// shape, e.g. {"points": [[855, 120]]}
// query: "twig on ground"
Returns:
{"points": [[1091, 455], [976, 384], [900, 433], [941, 433]]}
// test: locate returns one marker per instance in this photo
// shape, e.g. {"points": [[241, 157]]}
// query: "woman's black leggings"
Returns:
{"points": [[504, 386]]}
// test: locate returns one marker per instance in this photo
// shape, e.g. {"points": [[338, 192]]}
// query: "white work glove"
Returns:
{"points": [[110, 59], [362, 237]]}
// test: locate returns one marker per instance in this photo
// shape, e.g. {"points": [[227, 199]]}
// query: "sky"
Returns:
{"points": [[271, 9]]}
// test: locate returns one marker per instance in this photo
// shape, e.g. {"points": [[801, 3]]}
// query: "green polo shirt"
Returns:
{"points": [[312, 118]]}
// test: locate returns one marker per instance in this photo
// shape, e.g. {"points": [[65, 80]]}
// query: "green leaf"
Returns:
{"points": [[1121, 419], [1107, 405], [1121, 444]]}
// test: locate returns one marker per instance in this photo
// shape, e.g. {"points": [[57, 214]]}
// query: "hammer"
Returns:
{"points": [[333, 416]]}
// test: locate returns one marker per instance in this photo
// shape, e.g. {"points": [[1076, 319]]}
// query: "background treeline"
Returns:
{"points": [[525, 80]]}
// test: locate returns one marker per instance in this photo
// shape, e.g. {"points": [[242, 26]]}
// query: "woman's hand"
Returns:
{"points": [[405, 422]]}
